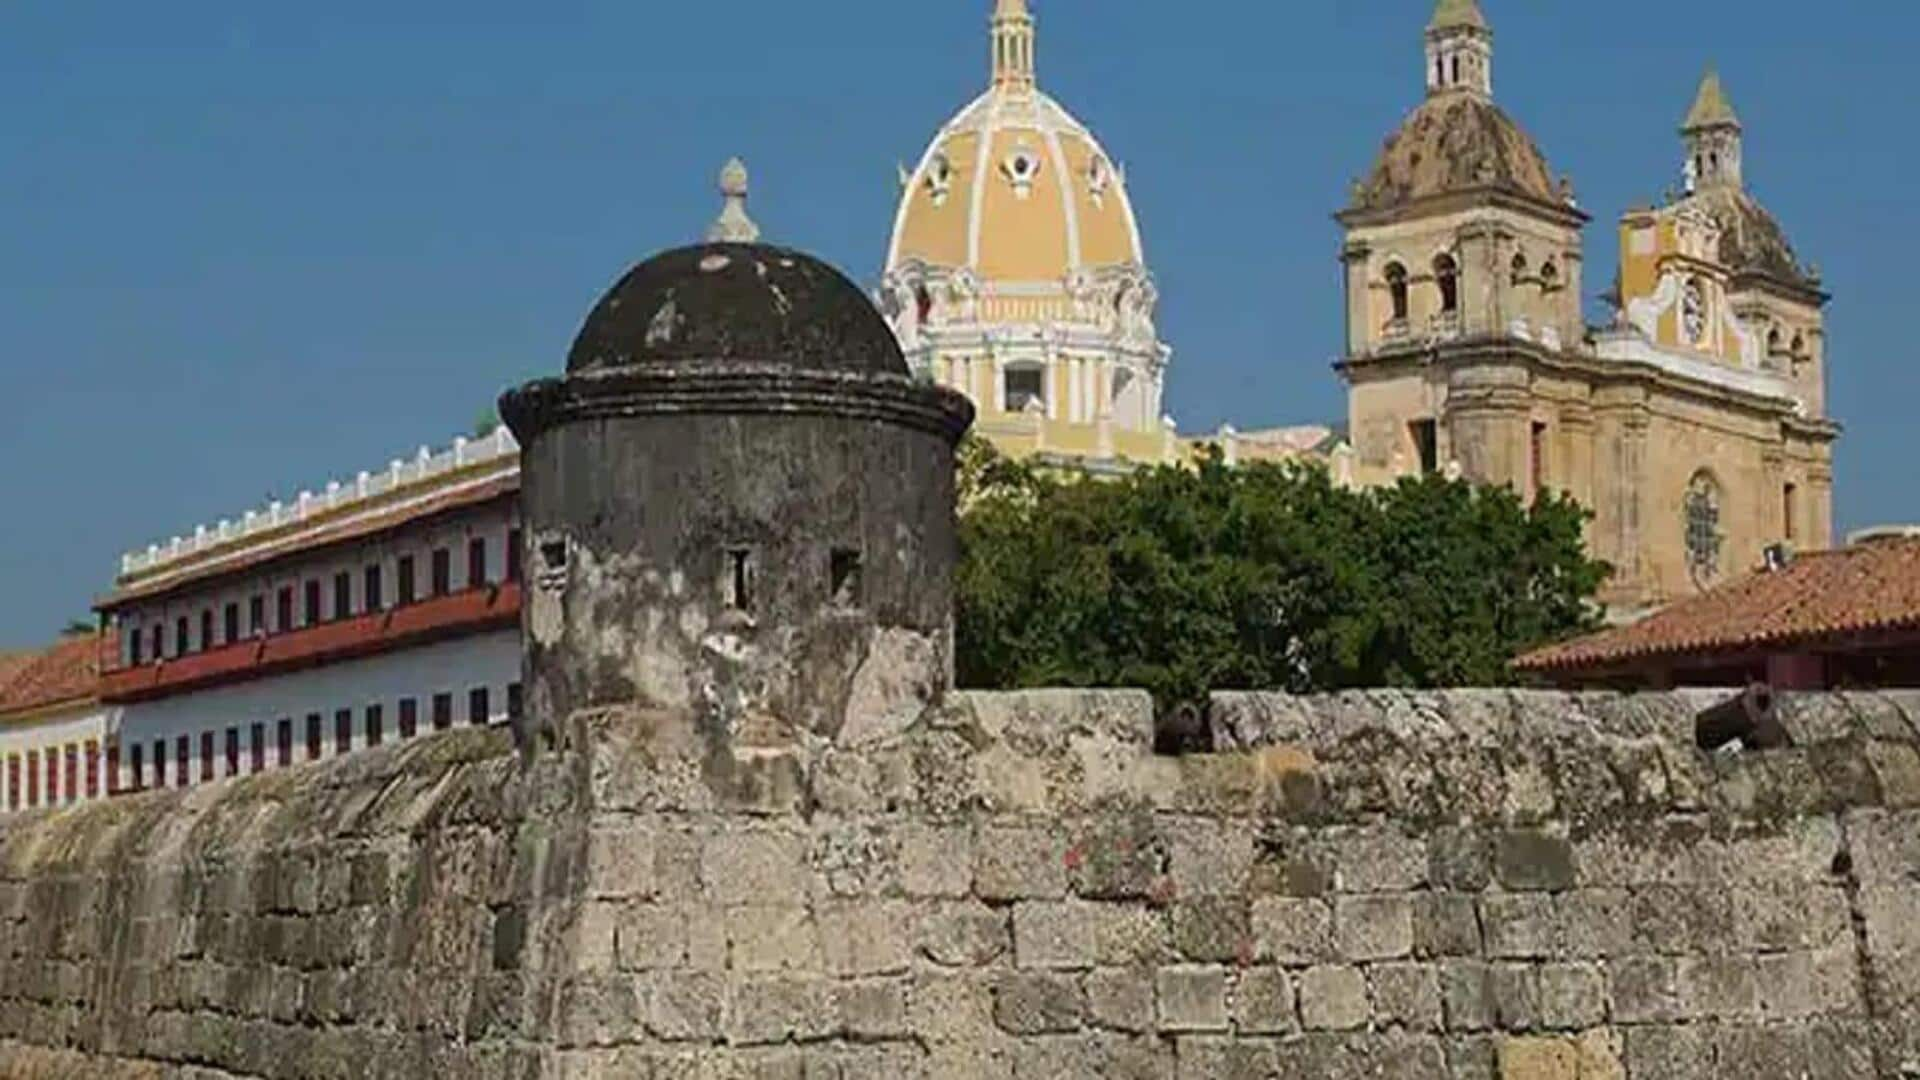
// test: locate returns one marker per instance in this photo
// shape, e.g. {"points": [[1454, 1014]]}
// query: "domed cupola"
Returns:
{"points": [[1015, 271]]}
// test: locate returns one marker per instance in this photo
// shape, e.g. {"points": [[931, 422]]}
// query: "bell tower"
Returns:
{"points": [[1712, 134], [1460, 50]]}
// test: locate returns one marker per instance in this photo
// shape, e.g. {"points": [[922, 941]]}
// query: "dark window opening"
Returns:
{"points": [[257, 743], [206, 757], [1537, 456], [283, 741], [1397, 290], [516, 700], [442, 711], [553, 554], [404, 594], [1790, 510], [409, 717], [159, 764], [133, 648], [232, 620], [844, 577], [93, 768], [182, 753], [342, 731], [477, 563], [376, 724], [233, 751], [442, 571], [257, 615], [478, 711], [159, 644], [312, 606], [513, 556], [206, 629], [33, 775], [283, 609], [739, 582], [1519, 269], [182, 640], [53, 773], [113, 767], [315, 735], [1426, 443], [13, 781], [342, 596], [73, 771], [1456, 69], [1026, 388], [1446, 274], [374, 599]]}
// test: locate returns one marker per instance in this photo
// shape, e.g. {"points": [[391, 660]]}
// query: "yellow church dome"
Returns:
{"points": [[1014, 189]]}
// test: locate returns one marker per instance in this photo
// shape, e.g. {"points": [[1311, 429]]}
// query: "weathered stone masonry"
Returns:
{"points": [[1468, 884]]}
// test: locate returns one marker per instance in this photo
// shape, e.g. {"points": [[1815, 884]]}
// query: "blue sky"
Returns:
{"points": [[246, 248]]}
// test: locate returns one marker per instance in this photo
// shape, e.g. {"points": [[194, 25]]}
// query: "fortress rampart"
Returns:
{"points": [[1465, 884]]}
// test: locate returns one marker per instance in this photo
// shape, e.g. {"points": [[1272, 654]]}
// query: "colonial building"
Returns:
{"points": [[1693, 426], [378, 608], [54, 730]]}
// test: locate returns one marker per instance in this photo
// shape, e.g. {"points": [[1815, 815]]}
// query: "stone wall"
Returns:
{"points": [[1470, 884]]}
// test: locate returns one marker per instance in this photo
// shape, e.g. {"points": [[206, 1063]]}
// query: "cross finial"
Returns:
{"points": [[733, 226]]}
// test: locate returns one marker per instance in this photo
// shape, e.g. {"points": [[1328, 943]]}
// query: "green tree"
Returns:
{"points": [[1182, 580]]}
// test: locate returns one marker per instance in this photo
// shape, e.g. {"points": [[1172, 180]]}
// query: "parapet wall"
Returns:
{"points": [[1464, 885]]}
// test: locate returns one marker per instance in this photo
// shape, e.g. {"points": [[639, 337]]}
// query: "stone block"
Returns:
{"points": [[775, 1009], [936, 861], [1593, 1057], [864, 937], [1466, 995], [620, 861], [1212, 929], [1034, 1003], [1407, 995], [1669, 1052], [1375, 859], [1019, 864], [1645, 990], [1216, 1057], [755, 866], [1787, 986], [650, 936], [1445, 924], [873, 1009], [953, 1007], [1210, 858], [1052, 934], [1373, 927], [1595, 923], [1720, 987], [1117, 857], [1333, 998], [1573, 997], [763, 938], [1519, 926], [1516, 996], [1460, 858], [1120, 999], [962, 933], [684, 1006], [1534, 860], [1126, 935], [1191, 998], [1293, 931], [1263, 1003]]}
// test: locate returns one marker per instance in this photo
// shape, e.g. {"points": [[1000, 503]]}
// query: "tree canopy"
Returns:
{"points": [[1182, 580]]}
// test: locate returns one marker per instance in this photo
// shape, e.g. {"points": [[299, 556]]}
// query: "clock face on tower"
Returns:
{"points": [[1693, 313]]}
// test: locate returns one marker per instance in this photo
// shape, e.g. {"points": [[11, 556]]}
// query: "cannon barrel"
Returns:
{"points": [[1749, 716]]}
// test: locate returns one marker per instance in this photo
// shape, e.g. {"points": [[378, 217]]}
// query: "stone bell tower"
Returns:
{"points": [[739, 506]]}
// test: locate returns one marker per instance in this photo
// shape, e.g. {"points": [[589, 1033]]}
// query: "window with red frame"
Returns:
{"points": [[206, 757], [13, 781], [33, 778], [73, 771], [257, 739], [93, 768], [53, 776]]}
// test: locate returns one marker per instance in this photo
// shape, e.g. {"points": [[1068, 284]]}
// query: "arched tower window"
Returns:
{"points": [[1519, 268], [1456, 71], [1701, 515], [1446, 274], [1549, 276], [1397, 289]]}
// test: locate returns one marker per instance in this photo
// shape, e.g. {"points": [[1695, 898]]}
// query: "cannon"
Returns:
{"points": [[1749, 716]]}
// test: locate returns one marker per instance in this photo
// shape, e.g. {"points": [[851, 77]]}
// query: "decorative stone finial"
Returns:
{"points": [[733, 226], [1013, 45]]}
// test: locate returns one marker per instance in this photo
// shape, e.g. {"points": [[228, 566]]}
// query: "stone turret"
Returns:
{"points": [[739, 505]]}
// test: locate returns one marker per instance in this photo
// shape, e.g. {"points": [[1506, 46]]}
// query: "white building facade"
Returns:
{"points": [[379, 609]]}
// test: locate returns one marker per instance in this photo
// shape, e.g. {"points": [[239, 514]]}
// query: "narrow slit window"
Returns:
{"points": [[844, 578], [739, 582]]}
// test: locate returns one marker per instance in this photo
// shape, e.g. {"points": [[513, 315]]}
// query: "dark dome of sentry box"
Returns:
{"points": [[736, 304]]}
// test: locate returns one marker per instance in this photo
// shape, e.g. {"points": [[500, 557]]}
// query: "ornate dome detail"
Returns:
{"points": [[1454, 143]]}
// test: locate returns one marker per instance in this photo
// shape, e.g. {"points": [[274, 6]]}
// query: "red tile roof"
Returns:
{"points": [[439, 618], [69, 671], [304, 542], [1868, 589]]}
